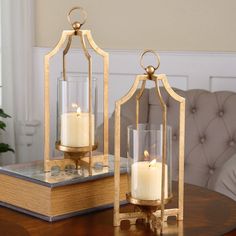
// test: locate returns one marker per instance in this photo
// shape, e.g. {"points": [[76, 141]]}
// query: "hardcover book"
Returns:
{"points": [[58, 194]]}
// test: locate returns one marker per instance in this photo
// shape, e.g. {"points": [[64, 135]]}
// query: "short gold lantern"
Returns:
{"points": [[76, 104], [149, 157]]}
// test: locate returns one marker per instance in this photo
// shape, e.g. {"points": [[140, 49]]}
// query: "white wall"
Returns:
{"points": [[185, 70]]}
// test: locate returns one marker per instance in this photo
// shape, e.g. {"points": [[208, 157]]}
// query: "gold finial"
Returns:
{"points": [[76, 25], [150, 70]]}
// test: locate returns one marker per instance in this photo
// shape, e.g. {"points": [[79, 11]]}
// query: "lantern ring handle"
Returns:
{"points": [[155, 54], [84, 13]]}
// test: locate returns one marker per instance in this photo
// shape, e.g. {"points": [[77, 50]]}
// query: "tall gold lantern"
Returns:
{"points": [[149, 157], [76, 128]]}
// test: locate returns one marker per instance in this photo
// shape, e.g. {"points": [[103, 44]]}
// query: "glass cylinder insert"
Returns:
{"points": [[145, 162], [74, 119]]}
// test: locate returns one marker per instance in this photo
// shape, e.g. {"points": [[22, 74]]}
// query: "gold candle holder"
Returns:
{"points": [[79, 148], [151, 208]]}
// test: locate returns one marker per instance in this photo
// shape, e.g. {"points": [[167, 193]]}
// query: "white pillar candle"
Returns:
{"points": [[146, 180], [75, 129]]}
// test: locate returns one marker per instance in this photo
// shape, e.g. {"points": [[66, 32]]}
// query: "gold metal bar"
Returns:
{"points": [[105, 56], [81, 34], [47, 58], [181, 159], [163, 164], [137, 113], [130, 215], [65, 51], [90, 115], [140, 94], [167, 213], [105, 108], [133, 89], [181, 100], [163, 106], [168, 88], [143, 215], [65, 34], [138, 97], [116, 220], [121, 101], [46, 112]]}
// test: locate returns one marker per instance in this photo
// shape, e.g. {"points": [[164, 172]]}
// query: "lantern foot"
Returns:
{"points": [[148, 217], [155, 224]]}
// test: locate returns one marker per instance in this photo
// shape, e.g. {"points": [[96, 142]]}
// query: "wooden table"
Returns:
{"points": [[206, 213]]}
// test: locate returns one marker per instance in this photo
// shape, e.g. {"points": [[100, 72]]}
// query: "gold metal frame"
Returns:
{"points": [[161, 213], [75, 149], [146, 202], [68, 35]]}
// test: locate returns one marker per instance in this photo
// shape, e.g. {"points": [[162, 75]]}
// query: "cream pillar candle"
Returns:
{"points": [[75, 129], [146, 180]]}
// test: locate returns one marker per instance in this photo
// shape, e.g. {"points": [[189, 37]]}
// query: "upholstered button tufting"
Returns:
{"points": [[174, 137], [202, 139], [211, 171], [193, 110], [231, 143], [221, 113]]}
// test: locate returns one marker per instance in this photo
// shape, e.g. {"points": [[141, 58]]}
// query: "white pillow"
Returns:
{"points": [[224, 180]]}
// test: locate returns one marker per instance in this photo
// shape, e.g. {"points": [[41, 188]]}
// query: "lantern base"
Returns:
{"points": [[149, 211], [147, 203], [57, 195], [76, 154], [77, 151]]}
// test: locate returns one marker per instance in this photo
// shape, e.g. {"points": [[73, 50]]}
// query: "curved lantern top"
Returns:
{"points": [[67, 35], [150, 75]]}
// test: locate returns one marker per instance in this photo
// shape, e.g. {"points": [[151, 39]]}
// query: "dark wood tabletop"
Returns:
{"points": [[205, 213]]}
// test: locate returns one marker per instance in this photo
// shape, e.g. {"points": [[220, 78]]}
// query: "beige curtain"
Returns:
{"points": [[17, 31]]}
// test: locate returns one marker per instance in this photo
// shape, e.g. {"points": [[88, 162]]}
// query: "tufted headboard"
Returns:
{"points": [[210, 131], [210, 134]]}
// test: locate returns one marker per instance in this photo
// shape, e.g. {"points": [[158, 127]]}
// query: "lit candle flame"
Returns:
{"points": [[146, 155], [78, 110]]}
